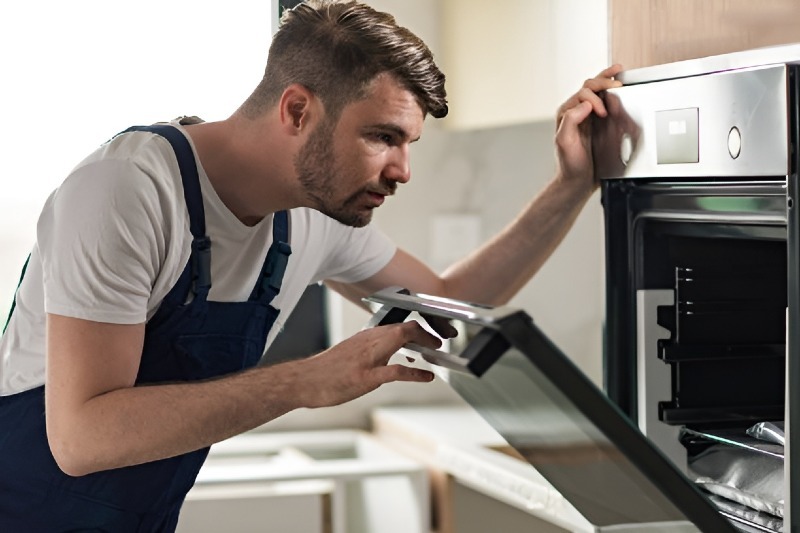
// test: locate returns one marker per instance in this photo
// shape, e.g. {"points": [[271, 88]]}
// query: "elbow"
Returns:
{"points": [[69, 454]]}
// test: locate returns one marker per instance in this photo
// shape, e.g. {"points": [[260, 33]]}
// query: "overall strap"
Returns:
{"points": [[271, 277], [14, 302], [201, 244]]}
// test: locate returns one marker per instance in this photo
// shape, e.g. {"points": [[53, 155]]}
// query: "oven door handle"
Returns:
{"points": [[439, 357]]}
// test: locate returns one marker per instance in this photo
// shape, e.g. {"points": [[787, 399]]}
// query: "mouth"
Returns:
{"points": [[376, 199]]}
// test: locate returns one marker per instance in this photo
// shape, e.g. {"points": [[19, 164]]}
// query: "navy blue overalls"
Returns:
{"points": [[183, 341]]}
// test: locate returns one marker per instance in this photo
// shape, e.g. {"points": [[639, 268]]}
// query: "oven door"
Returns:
{"points": [[556, 418]]}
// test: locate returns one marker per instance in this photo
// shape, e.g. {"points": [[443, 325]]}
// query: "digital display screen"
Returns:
{"points": [[677, 136]]}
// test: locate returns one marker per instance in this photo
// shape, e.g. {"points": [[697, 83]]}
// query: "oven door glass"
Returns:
{"points": [[555, 417]]}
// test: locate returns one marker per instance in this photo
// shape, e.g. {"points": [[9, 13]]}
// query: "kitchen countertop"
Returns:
{"points": [[456, 440]]}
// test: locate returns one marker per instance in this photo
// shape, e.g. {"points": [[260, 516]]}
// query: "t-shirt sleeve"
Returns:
{"points": [[102, 243], [356, 253]]}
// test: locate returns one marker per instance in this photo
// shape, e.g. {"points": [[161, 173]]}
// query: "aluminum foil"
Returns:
{"points": [[764, 521], [768, 432], [739, 468]]}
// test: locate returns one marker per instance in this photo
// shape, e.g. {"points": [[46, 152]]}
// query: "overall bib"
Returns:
{"points": [[183, 341]]}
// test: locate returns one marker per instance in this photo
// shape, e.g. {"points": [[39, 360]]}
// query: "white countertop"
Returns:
{"points": [[457, 440]]}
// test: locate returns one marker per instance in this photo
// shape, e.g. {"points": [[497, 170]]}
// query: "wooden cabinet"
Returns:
{"points": [[652, 32], [514, 61]]}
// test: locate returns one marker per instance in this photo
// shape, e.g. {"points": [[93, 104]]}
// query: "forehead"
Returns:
{"points": [[387, 103]]}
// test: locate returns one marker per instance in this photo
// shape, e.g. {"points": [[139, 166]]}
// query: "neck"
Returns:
{"points": [[247, 166]]}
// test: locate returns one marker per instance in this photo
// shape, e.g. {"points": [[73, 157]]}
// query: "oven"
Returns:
{"points": [[698, 166]]}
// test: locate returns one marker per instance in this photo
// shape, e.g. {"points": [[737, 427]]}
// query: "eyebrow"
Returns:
{"points": [[394, 128]]}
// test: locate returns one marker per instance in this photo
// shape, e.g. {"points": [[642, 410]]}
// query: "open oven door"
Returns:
{"points": [[557, 419]]}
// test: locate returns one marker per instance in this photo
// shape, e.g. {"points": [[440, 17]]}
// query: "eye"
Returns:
{"points": [[385, 138]]}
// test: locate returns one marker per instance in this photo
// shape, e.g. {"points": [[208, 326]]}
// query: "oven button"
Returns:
{"points": [[734, 142], [626, 149]]}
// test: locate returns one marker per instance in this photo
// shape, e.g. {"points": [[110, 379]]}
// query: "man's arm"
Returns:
{"points": [[497, 270], [97, 419]]}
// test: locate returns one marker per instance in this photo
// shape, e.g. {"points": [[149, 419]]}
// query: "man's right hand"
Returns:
{"points": [[359, 364]]}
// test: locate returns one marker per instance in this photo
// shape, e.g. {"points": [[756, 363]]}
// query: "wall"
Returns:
{"points": [[490, 174]]}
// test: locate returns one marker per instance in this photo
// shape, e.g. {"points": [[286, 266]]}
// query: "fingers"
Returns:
{"points": [[412, 331], [441, 326], [389, 373], [382, 342], [610, 72], [360, 364], [588, 92], [402, 334], [574, 116]]}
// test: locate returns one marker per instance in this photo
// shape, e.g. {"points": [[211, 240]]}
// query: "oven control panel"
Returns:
{"points": [[724, 124]]}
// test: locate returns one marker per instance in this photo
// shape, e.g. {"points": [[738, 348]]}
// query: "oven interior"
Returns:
{"points": [[723, 341], [727, 327]]}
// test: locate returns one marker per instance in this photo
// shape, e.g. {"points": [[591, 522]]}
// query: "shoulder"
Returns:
{"points": [[138, 152], [132, 172], [126, 189], [113, 235]]}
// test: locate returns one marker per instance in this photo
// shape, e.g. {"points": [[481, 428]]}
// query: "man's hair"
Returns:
{"points": [[336, 49]]}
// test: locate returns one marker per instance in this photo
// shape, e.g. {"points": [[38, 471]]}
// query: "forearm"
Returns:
{"points": [[134, 425], [496, 271], [98, 422]]}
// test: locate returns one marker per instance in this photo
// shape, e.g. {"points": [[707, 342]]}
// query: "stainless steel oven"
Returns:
{"points": [[698, 162]]}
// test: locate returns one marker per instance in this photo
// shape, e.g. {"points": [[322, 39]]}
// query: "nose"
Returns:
{"points": [[398, 168]]}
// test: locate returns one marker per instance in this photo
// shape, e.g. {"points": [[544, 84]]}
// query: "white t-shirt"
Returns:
{"points": [[113, 239]]}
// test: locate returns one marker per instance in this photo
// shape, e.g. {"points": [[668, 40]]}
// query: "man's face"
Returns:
{"points": [[348, 168]]}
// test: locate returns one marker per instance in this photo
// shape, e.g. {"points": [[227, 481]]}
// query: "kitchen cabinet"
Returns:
{"points": [[653, 32], [337, 481], [514, 61], [287, 506]]}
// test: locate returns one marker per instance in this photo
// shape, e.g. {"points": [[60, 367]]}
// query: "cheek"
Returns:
{"points": [[361, 169]]}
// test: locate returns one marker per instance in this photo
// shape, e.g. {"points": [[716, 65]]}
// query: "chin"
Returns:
{"points": [[355, 220]]}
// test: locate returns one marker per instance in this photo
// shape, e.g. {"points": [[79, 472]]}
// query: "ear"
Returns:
{"points": [[298, 108]]}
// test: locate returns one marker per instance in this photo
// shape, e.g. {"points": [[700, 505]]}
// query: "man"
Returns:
{"points": [[162, 262]]}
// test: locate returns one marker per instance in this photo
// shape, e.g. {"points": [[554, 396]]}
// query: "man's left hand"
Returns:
{"points": [[573, 128]]}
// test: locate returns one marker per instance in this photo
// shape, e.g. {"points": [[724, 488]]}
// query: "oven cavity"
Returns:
{"points": [[727, 344]]}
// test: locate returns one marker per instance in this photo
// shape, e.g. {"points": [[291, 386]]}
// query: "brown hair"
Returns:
{"points": [[336, 48]]}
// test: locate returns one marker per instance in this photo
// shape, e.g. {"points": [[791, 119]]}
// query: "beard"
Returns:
{"points": [[318, 172]]}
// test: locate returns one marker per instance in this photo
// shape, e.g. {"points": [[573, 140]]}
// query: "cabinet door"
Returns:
{"points": [[653, 32], [289, 507], [514, 61]]}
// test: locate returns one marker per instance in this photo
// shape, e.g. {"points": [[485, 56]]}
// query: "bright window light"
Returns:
{"points": [[75, 73]]}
